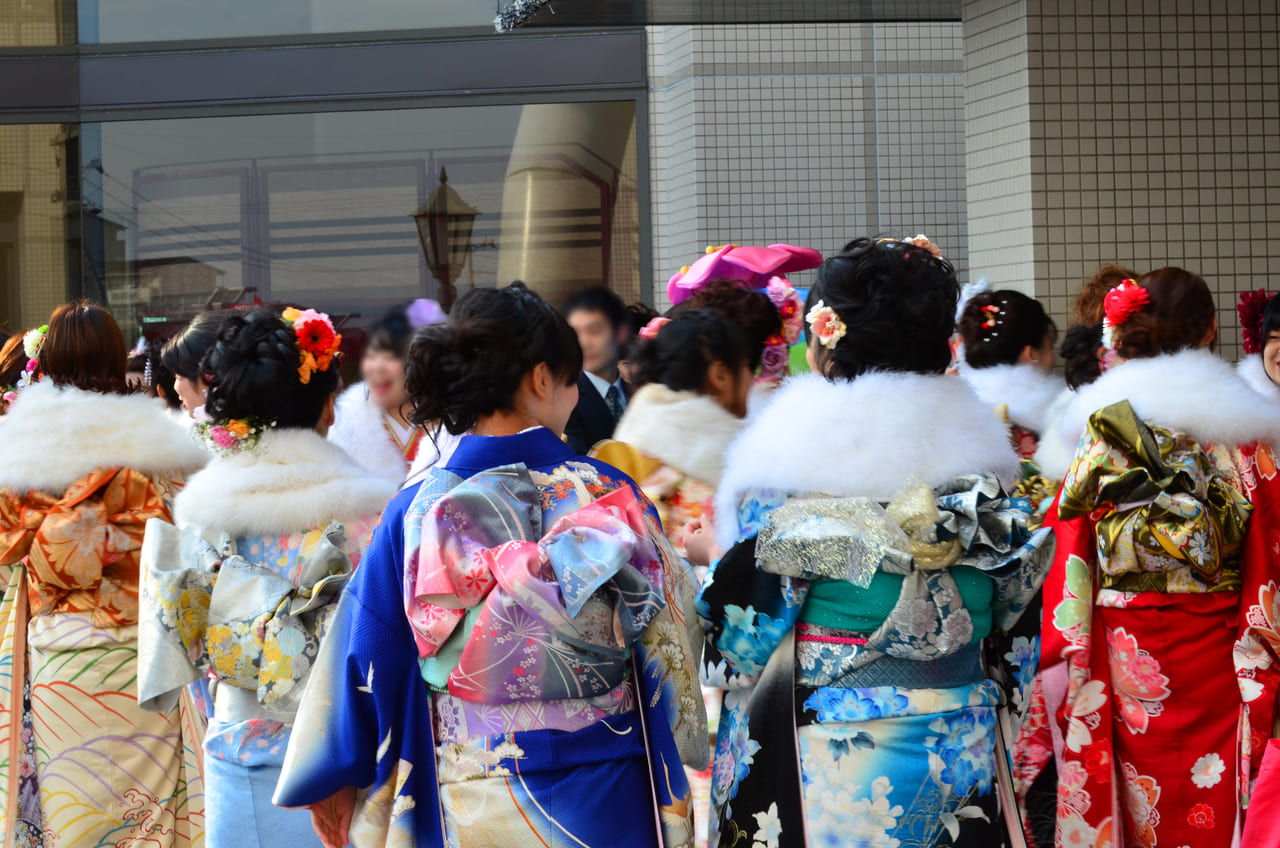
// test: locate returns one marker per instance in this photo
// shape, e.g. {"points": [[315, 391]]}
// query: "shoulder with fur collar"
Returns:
{"points": [[57, 435], [1025, 390], [292, 481], [359, 429], [687, 431], [1193, 392], [864, 438], [1252, 370]]}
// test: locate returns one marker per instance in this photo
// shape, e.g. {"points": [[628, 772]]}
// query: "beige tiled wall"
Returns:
{"points": [[1151, 135], [808, 134]]}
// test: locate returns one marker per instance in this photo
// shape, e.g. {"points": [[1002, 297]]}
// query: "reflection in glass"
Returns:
{"points": [[34, 216], [37, 23], [318, 209], [113, 21]]}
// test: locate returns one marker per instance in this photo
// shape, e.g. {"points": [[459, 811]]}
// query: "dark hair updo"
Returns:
{"points": [[751, 310], [183, 354], [684, 349], [1020, 322], [1180, 315], [1079, 352], [85, 349], [898, 303], [472, 365], [253, 373]]}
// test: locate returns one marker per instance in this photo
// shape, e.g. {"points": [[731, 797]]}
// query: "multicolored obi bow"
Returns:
{"points": [[551, 617]]}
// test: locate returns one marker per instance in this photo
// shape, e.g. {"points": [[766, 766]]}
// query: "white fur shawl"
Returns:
{"points": [[687, 431], [292, 481], [865, 438], [54, 436], [1025, 390], [1193, 392], [1253, 372], [359, 429]]}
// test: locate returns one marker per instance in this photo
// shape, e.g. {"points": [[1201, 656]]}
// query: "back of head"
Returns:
{"points": [[1088, 306], [13, 358], [472, 365], [1079, 352], [183, 354], [997, 326], [897, 302], [598, 299], [684, 348], [752, 311], [253, 373], [1179, 314], [85, 349]]}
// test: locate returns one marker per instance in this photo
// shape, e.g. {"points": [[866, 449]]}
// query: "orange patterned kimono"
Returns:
{"points": [[80, 763]]}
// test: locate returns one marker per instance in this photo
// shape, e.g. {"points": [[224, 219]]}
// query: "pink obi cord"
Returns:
{"points": [[805, 633]]}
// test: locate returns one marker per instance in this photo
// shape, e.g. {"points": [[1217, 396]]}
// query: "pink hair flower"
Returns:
{"points": [[651, 330], [826, 325]]}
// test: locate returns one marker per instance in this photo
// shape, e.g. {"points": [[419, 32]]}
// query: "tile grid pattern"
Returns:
{"points": [[809, 134], [1152, 137]]}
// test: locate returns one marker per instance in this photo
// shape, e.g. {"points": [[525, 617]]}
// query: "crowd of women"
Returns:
{"points": [[927, 594]]}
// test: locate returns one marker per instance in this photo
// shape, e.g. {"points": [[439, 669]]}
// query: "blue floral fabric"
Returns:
{"points": [[908, 764]]}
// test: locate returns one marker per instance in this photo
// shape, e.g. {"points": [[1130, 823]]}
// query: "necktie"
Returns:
{"points": [[613, 400]]}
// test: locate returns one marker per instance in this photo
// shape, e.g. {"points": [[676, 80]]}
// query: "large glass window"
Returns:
{"points": [[112, 21], [351, 212], [37, 222]]}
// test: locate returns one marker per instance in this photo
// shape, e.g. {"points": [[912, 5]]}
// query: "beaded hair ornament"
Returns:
{"points": [[992, 320]]}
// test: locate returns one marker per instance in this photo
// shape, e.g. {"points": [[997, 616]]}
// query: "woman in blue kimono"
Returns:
{"points": [[872, 547], [512, 664]]}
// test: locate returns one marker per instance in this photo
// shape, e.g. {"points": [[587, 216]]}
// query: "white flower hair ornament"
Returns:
{"points": [[826, 325]]}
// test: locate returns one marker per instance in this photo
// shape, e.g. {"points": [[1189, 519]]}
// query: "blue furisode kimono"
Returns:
{"points": [[511, 665]]}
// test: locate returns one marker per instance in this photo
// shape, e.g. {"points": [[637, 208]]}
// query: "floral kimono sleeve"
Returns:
{"points": [[174, 615], [1257, 648], [365, 717]]}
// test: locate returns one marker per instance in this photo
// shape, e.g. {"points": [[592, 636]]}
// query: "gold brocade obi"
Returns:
{"points": [[82, 548], [1169, 513]]}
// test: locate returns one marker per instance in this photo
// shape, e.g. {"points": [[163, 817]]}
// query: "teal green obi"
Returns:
{"points": [[841, 605]]}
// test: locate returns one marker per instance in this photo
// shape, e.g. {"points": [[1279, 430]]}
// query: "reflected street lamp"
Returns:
{"points": [[444, 228]]}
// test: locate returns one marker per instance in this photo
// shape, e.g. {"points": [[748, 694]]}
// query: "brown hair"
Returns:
{"points": [[1180, 315], [13, 358], [84, 348], [1088, 308]]}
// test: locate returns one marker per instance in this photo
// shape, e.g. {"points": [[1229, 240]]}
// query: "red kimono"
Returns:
{"points": [[1158, 679]]}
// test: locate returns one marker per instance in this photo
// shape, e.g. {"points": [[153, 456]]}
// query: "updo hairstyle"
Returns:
{"points": [[472, 365], [252, 370], [1021, 321], [898, 303], [684, 349]]}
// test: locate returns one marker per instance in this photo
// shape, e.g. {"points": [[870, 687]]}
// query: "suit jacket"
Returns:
{"points": [[591, 421]]}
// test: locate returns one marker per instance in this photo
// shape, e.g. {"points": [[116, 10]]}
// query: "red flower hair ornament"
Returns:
{"points": [[1122, 303], [1250, 308]]}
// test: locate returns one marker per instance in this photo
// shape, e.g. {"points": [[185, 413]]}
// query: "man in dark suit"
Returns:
{"points": [[599, 317]]}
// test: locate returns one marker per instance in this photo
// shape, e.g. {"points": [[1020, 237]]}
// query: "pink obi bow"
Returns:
{"points": [[556, 616]]}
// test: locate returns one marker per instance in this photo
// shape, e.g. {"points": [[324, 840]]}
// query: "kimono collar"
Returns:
{"points": [[535, 448]]}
